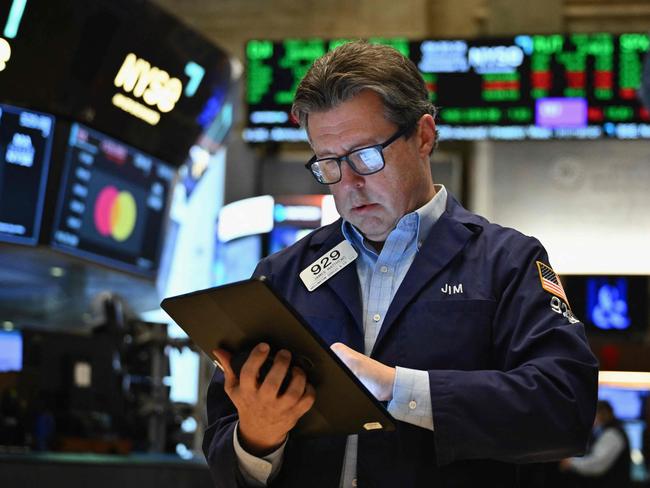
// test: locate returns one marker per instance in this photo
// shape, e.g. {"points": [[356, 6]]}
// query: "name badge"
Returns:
{"points": [[328, 265]]}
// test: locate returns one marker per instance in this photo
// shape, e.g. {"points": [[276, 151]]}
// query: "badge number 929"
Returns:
{"points": [[325, 262], [328, 265]]}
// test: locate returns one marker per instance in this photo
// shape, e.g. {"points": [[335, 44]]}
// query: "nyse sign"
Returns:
{"points": [[154, 86], [121, 66]]}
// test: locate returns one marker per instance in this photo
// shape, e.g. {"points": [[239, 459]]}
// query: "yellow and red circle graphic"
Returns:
{"points": [[115, 213]]}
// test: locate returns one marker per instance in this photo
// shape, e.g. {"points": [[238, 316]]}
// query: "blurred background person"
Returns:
{"points": [[607, 461]]}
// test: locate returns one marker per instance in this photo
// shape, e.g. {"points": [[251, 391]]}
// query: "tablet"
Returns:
{"points": [[240, 315]]}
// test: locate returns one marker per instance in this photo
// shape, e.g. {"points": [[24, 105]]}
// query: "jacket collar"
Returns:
{"points": [[345, 283], [446, 239]]}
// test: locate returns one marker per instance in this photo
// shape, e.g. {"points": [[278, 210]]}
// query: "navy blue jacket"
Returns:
{"points": [[512, 380]]}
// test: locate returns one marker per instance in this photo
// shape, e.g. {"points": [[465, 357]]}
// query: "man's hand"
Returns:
{"points": [[265, 416], [375, 376]]}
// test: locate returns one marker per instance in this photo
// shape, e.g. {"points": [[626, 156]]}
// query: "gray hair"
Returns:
{"points": [[345, 71]]}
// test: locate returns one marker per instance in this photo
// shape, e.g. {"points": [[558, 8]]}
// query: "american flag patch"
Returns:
{"points": [[551, 281]]}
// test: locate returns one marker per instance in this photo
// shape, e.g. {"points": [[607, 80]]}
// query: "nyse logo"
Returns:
{"points": [[153, 85], [452, 289]]}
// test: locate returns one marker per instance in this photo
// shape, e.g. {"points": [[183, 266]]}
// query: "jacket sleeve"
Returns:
{"points": [[218, 445], [538, 402], [218, 438]]}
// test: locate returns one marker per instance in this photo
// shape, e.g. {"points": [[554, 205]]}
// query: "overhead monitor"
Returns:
{"points": [[112, 203], [573, 86], [11, 351], [25, 146], [127, 68], [611, 305]]}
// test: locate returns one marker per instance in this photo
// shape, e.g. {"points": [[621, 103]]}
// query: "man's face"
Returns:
{"points": [[374, 203]]}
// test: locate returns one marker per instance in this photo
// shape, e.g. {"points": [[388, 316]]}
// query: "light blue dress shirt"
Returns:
{"points": [[380, 275]]}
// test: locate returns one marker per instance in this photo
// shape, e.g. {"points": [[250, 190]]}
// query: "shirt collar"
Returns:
{"points": [[423, 219], [431, 211]]}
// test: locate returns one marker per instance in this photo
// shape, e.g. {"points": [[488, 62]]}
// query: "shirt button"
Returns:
{"points": [[376, 317], [384, 269], [413, 404]]}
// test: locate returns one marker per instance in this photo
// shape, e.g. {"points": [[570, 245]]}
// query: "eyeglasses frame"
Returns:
{"points": [[345, 157]]}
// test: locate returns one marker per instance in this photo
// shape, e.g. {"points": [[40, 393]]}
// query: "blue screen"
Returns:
{"points": [[607, 303], [629, 407], [11, 351], [610, 305], [634, 431], [236, 260], [25, 146], [282, 237], [184, 370], [627, 403]]}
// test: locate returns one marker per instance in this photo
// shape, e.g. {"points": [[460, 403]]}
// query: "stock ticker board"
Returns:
{"points": [[576, 86]]}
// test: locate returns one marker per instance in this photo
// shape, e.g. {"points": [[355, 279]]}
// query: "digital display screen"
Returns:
{"points": [[112, 204], [236, 260], [184, 370], [285, 236], [627, 404], [609, 304], [25, 146], [11, 351], [582, 86], [295, 216], [129, 69]]}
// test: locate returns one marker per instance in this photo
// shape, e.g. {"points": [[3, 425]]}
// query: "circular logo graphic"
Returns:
{"points": [[115, 213]]}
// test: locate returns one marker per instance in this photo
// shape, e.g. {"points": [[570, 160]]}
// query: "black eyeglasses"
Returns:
{"points": [[364, 161]]}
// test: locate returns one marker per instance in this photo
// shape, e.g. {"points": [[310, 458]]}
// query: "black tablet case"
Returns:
{"points": [[240, 315]]}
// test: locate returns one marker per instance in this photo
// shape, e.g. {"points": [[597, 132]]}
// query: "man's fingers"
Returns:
{"points": [[341, 350], [296, 388], [307, 400], [223, 358], [251, 368], [277, 373], [345, 354]]}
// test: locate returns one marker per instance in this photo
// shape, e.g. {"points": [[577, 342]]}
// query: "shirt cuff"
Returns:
{"points": [[257, 471], [412, 398]]}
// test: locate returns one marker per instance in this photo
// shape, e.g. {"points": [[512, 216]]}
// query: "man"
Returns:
{"points": [[459, 324], [607, 462]]}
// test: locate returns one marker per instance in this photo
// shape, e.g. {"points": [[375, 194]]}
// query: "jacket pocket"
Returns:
{"points": [[447, 334]]}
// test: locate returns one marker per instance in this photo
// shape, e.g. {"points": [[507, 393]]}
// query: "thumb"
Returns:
{"points": [[223, 358], [344, 353]]}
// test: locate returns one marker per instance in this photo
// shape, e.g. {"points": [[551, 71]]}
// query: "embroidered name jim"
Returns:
{"points": [[452, 289]]}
